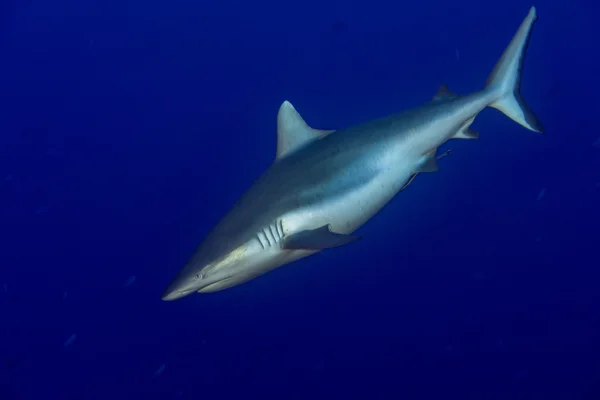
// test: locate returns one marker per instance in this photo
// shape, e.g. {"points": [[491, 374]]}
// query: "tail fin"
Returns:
{"points": [[506, 78]]}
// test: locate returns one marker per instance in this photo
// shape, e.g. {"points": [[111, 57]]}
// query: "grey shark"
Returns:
{"points": [[324, 185]]}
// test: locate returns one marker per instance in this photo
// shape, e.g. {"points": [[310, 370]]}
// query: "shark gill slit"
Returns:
{"points": [[266, 238], [260, 241], [266, 231], [274, 233], [279, 225]]}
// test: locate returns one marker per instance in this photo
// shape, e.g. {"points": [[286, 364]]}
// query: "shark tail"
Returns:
{"points": [[505, 79]]}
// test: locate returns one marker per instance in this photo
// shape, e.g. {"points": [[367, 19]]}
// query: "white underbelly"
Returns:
{"points": [[347, 213]]}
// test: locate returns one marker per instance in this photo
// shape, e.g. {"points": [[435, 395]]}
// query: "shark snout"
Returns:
{"points": [[189, 282], [178, 288], [174, 294]]}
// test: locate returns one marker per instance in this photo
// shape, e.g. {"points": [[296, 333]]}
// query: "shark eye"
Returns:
{"points": [[197, 276]]}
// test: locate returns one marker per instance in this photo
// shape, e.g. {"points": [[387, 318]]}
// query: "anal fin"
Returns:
{"points": [[467, 134], [316, 239], [465, 131]]}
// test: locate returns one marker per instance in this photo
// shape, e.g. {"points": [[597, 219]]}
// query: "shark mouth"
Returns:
{"points": [[218, 285]]}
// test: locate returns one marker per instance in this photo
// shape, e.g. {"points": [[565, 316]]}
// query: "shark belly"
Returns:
{"points": [[345, 214]]}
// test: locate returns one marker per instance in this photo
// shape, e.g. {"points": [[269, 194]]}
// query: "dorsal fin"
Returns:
{"points": [[444, 93], [292, 131]]}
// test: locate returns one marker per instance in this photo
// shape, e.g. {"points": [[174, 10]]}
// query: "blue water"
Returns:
{"points": [[128, 128]]}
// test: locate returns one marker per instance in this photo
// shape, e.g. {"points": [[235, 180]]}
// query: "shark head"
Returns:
{"points": [[248, 241], [196, 278], [219, 265], [200, 275]]}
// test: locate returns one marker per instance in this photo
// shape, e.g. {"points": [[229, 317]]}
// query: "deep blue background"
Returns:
{"points": [[128, 128]]}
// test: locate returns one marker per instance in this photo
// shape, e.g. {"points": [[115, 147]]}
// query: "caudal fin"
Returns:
{"points": [[505, 79]]}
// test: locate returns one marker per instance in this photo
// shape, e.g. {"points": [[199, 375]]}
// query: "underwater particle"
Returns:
{"points": [[597, 143], [5, 288], [541, 194], [64, 295], [159, 371], [70, 340], [457, 55], [129, 281], [538, 239]]}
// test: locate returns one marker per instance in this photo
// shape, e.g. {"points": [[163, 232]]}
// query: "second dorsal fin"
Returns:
{"points": [[444, 93]]}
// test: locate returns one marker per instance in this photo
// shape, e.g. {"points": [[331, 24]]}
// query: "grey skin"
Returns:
{"points": [[324, 185]]}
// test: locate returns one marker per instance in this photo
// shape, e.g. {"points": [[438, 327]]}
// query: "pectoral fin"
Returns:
{"points": [[316, 239]]}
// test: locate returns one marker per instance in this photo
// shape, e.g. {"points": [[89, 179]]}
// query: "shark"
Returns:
{"points": [[325, 184]]}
